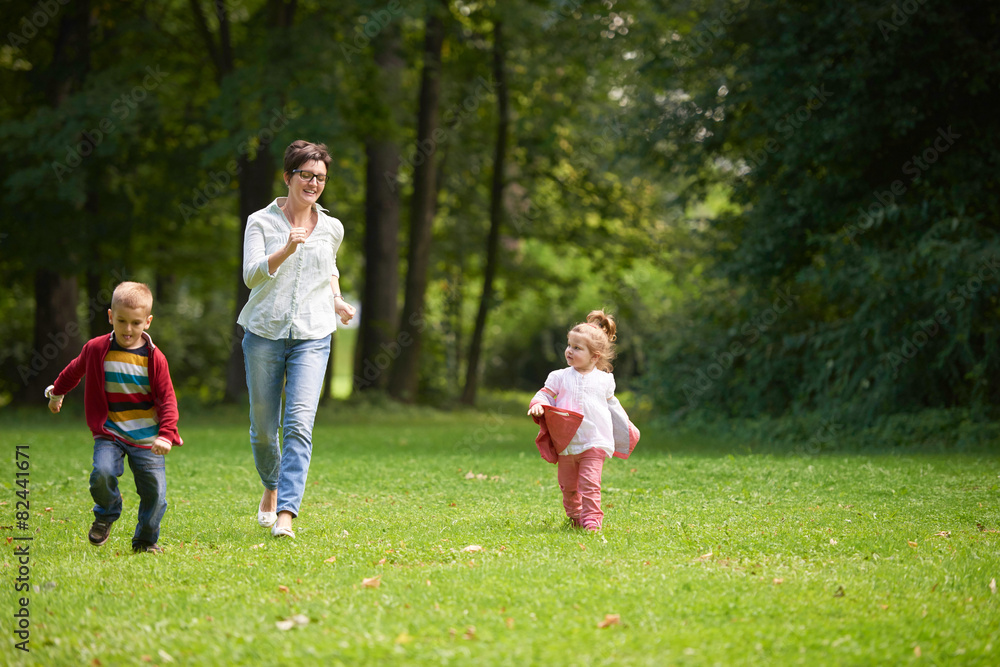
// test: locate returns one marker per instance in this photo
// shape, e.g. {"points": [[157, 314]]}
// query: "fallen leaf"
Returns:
{"points": [[95, 662], [257, 546], [916, 651], [146, 658], [381, 562], [993, 585], [331, 559], [912, 543], [473, 548], [609, 620], [301, 619], [583, 547], [884, 606], [778, 582], [470, 475], [372, 582], [344, 533], [283, 588], [839, 593], [704, 557], [943, 533], [480, 476], [403, 638], [509, 622], [165, 656], [470, 633], [285, 625], [48, 509]]}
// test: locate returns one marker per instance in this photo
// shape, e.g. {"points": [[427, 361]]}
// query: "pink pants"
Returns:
{"points": [[580, 481]]}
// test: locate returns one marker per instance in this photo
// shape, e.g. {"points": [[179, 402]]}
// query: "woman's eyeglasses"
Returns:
{"points": [[307, 176]]}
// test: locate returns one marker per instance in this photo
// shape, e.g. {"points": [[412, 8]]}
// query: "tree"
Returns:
{"points": [[405, 370], [496, 217]]}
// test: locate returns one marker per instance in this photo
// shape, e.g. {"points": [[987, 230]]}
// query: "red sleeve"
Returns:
{"points": [[165, 399], [72, 374]]}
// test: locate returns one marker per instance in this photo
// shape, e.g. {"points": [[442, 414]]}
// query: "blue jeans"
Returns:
{"points": [[150, 473], [299, 367]]}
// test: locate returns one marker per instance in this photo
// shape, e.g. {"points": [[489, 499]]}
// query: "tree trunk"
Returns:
{"points": [[56, 332], [56, 328], [380, 308], [256, 182], [496, 215], [406, 369]]}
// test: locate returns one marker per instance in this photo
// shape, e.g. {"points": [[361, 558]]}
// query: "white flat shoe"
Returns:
{"points": [[282, 532], [266, 519]]}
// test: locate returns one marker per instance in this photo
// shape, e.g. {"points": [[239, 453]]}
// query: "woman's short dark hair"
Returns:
{"points": [[299, 152]]}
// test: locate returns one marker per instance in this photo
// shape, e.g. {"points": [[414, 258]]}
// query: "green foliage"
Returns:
{"points": [[855, 141]]}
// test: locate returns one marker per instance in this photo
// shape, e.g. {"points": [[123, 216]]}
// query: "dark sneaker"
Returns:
{"points": [[99, 531], [147, 549]]}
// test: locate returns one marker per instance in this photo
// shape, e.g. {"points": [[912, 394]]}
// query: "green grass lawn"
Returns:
{"points": [[707, 556]]}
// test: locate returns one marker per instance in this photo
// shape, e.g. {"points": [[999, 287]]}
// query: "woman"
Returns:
{"points": [[290, 265]]}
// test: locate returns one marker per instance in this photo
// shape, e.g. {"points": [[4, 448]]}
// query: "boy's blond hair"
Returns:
{"points": [[133, 295]]}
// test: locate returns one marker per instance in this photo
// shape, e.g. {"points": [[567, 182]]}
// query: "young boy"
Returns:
{"points": [[131, 410]]}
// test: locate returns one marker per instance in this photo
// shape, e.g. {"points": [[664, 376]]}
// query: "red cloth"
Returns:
{"points": [[90, 362], [556, 427]]}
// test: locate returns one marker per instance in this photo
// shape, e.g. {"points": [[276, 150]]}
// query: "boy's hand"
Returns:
{"points": [[161, 446], [55, 401], [536, 410]]}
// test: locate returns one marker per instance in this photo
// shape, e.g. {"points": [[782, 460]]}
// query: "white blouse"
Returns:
{"points": [[296, 301], [589, 395]]}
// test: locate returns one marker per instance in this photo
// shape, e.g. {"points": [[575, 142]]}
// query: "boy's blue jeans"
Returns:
{"points": [[150, 473], [297, 366]]}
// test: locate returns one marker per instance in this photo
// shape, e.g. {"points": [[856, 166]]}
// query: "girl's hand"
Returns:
{"points": [[162, 446], [344, 309], [55, 405], [536, 410]]}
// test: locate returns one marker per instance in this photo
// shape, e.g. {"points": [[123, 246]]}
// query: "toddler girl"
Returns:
{"points": [[582, 421]]}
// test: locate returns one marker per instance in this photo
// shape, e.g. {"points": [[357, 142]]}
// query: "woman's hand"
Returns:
{"points": [[344, 309], [296, 237]]}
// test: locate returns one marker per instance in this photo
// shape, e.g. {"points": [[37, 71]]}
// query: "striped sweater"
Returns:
{"points": [[111, 412]]}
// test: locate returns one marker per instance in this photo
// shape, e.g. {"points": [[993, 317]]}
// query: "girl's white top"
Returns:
{"points": [[589, 395], [296, 301]]}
